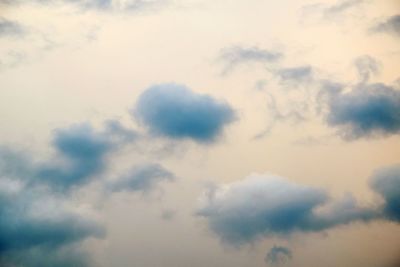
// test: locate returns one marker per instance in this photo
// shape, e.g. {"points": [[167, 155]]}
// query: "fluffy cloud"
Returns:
{"points": [[386, 182], [265, 205], [237, 55], [143, 178], [390, 25], [278, 255], [176, 112], [368, 110]]}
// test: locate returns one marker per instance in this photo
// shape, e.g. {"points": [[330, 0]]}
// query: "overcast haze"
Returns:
{"points": [[176, 133]]}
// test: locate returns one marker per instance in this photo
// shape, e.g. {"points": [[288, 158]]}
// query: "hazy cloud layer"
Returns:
{"points": [[265, 205], [176, 112], [98, 5], [10, 28]]}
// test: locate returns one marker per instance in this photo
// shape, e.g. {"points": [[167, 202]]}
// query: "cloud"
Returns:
{"points": [[80, 154], [100, 5], [176, 112], [143, 178], [340, 7], [277, 115], [386, 182], [10, 28], [369, 110], [265, 205], [36, 229], [278, 255], [300, 74], [366, 66], [235, 56], [332, 11], [391, 25]]}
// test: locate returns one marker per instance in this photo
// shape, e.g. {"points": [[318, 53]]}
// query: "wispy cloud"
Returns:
{"points": [[233, 57], [278, 255]]}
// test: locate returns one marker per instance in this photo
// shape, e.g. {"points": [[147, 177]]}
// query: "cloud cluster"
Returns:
{"points": [[37, 226], [176, 112], [265, 205], [37, 229]]}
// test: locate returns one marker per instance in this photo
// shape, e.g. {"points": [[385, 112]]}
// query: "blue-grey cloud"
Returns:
{"points": [[10, 28], [143, 178], [390, 25], [386, 182], [264, 205], [366, 67], [235, 56], [37, 230], [176, 112], [80, 154], [368, 110], [278, 255]]}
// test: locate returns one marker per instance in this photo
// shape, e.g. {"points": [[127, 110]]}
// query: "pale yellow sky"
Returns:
{"points": [[91, 65]]}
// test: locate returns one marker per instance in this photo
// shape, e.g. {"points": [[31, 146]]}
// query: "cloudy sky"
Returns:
{"points": [[218, 133]]}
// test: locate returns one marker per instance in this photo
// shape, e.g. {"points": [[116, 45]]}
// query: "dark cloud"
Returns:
{"points": [[386, 182], [390, 25], [143, 178], [10, 28], [37, 230], [278, 255], [259, 206], [176, 112], [366, 67], [234, 56], [369, 110]]}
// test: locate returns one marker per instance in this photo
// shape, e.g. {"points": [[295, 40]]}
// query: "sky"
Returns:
{"points": [[175, 133]]}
